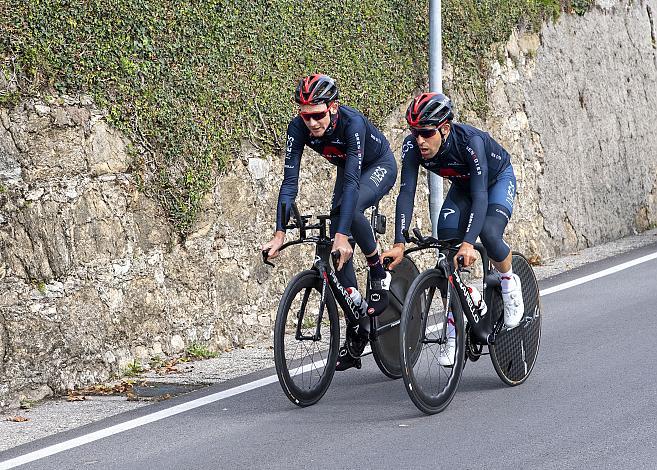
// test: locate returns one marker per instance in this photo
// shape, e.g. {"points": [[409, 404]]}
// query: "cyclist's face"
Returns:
{"points": [[317, 117], [429, 146]]}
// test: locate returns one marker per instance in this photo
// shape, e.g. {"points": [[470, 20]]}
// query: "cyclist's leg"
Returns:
{"points": [[452, 223], [353, 343], [454, 214], [453, 218], [376, 181], [500, 208]]}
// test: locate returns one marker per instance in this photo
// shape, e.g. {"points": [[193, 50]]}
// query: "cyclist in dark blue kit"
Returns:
{"points": [[366, 171], [479, 202]]}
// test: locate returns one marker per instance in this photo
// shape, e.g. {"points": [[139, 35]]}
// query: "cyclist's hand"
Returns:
{"points": [[468, 252], [273, 245], [342, 245], [396, 253]]}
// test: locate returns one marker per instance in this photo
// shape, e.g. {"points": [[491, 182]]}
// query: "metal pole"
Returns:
{"points": [[435, 85]]}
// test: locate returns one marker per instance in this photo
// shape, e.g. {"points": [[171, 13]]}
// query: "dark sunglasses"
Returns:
{"points": [[316, 116], [424, 133]]}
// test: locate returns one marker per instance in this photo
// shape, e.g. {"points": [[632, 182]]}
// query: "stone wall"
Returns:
{"points": [[92, 277]]}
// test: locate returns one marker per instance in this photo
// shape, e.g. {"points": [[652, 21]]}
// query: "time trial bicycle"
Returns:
{"points": [[307, 329], [425, 325]]}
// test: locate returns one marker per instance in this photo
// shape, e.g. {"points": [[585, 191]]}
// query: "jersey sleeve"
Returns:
{"points": [[410, 166], [355, 138], [478, 165], [289, 187]]}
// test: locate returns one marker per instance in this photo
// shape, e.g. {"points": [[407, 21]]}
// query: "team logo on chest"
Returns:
{"points": [[330, 151]]}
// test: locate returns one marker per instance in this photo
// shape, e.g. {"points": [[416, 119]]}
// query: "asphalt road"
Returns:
{"points": [[591, 402]]}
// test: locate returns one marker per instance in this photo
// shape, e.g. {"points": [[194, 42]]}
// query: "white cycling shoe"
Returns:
{"points": [[514, 307], [447, 353]]}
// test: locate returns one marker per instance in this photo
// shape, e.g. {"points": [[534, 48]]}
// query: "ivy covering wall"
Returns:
{"points": [[189, 80]]}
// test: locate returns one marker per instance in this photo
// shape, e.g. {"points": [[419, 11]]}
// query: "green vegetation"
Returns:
{"points": [[156, 362], [199, 351], [40, 286], [578, 6], [133, 368], [188, 81]]}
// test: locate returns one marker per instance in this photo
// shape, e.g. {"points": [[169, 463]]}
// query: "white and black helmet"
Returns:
{"points": [[429, 109], [316, 89]]}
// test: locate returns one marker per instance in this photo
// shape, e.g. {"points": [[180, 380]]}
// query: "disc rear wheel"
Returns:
{"points": [[515, 351]]}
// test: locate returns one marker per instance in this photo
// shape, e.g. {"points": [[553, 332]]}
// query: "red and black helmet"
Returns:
{"points": [[429, 109], [316, 89]]}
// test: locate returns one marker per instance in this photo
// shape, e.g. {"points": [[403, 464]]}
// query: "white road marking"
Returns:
{"points": [[603, 273]]}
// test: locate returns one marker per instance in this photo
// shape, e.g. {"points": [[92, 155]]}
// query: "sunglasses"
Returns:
{"points": [[424, 133], [316, 116]]}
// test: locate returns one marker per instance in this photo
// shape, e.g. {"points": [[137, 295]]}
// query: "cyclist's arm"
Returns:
{"points": [[289, 187], [355, 137], [478, 164], [407, 186]]}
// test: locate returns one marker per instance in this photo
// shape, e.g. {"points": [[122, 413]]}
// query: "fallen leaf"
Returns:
{"points": [[535, 260], [18, 419], [76, 398]]}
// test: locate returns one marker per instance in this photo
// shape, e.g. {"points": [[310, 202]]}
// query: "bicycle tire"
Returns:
{"points": [[515, 351], [385, 348], [415, 325], [289, 368]]}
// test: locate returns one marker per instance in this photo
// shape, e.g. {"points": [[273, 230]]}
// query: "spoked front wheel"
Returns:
{"points": [[430, 377], [515, 351], [306, 339]]}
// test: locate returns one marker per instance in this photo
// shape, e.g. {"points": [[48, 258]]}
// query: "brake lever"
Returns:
{"points": [[418, 234], [335, 256], [460, 267], [409, 239], [265, 258]]}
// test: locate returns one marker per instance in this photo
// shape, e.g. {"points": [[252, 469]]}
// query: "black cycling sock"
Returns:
{"points": [[376, 268]]}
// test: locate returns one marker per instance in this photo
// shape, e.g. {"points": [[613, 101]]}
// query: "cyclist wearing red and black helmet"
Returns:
{"points": [[366, 171], [479, 202]]}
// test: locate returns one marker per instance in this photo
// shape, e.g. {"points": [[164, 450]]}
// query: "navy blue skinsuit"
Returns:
{"points": [[480, 200], [366, 172]]}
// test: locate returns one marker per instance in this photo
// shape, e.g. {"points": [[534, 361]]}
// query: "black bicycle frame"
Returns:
{"points": [[482, 328], [330, 279]]}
